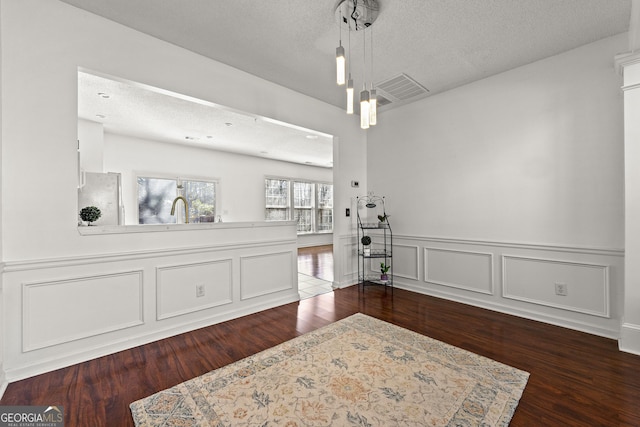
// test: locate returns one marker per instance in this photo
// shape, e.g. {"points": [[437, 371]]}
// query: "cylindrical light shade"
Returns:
{"points": [[341, 66], [350, 96], [364, 109], [373, 108]]}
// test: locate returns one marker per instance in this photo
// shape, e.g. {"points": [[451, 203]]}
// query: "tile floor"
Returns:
{"points": [[309, 286]]}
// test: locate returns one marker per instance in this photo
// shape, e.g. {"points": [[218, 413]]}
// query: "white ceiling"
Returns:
{"points": [[439, 44], [129, 108]]}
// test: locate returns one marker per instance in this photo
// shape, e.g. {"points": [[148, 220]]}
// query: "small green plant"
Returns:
{"points": [[383, 218], [384, 268], [90, 214]]}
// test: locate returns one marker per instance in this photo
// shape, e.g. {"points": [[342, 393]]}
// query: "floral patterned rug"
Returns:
{"points": [[359, 371]]}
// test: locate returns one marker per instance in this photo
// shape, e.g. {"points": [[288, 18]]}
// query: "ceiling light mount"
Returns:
{"points": [[357, 14]]}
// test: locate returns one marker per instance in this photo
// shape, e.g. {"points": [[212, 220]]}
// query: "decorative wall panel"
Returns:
{"points": [[406, 261], [266, 273], [535, 280], [55, 312], [472, 271], [186, 288]]}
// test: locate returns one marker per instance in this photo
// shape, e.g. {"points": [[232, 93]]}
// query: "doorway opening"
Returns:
{"points": [[315, 270]]}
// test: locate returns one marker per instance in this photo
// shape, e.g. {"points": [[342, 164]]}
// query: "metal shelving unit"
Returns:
{"points": [[380, 238]]}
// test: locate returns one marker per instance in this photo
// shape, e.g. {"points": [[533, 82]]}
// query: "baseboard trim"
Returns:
{"points": [[629, 341], [3, 381], [22, 372], [526, 314]]}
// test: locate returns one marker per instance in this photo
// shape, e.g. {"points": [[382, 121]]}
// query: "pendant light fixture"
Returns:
{"points": [[357, 15], [341, 65], [350, 95], [341, 62], [364, 108], [350, 83], [373, 96], [364, 95]]}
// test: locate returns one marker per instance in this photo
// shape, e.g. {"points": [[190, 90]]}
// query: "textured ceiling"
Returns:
{"points": [[127, 108], [439, 44]]}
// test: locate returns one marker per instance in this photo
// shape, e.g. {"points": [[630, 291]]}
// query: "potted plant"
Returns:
{"points": [[382, 220], [90, 214], [384, 268], [366, 241]]}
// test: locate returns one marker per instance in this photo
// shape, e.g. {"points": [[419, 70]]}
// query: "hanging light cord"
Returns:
{"points": [[371, 31], [353, 14], [364, 58]]}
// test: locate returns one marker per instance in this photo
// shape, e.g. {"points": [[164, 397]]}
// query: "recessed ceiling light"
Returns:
{"points": [[102, 116], [228, 124], [191, 138], [103, 95]]}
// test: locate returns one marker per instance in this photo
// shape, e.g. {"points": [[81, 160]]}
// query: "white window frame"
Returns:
{"points": [[292, 208], [179, 179]]}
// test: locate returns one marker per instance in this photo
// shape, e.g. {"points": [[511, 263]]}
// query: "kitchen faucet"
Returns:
{"points": [[186, 208]]}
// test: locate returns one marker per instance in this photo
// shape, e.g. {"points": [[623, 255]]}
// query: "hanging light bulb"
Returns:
{"points": [[364, 94], [373, 107], [364, 108], [341, 65], [350, 95]]}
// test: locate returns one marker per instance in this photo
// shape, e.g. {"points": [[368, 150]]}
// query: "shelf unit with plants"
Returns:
{"points": [[375, 242]]}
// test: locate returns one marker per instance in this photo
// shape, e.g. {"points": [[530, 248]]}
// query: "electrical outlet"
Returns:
{"points": [[561, 289], [200, 290]]}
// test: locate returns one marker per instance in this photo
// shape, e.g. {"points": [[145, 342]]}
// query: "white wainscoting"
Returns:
{"points": [[267, 273], [462, 269], [533, 280], [176, 287], [518, 279], [406, 261], [349, 258], [58, 312], [66, 310]]}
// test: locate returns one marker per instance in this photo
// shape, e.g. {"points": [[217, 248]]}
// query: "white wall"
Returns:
{"points": [[240, 178], [91, 146], [528, 162], [43, 44]]}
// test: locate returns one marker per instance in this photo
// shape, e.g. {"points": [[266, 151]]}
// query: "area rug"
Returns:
{"points": [[359, 371]]}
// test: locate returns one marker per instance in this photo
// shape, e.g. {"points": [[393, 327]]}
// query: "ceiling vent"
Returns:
{"points": [[382, 101], [398, 89]]}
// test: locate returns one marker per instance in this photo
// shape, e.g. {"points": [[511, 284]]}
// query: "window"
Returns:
{"points": [[303, 206], [310, 204], [325, 207], [156, 196], [277, 199]]}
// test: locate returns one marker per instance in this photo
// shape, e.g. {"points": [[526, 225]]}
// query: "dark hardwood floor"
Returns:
{"points": [[576, 379], [316, 261]]}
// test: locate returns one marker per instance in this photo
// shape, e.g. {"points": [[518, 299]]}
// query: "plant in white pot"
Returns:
{"points": [[366, 241]]}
